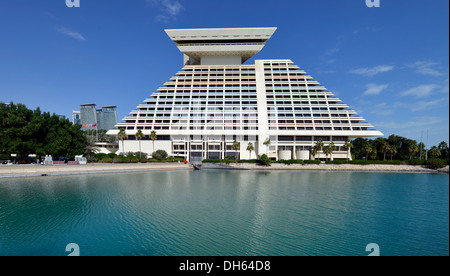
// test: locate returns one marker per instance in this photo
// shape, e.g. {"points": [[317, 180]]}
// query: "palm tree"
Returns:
{"points": [[314, 152], [385, 147], [367, 149], [250, 148], [267, 144], [140, 136], [90, 147], [443, 147], [153, 137], [236, 146], [327, 150], [319, 145], [412, 149], [392, 151], [348, 146], [331, 149], [122, 136], [435, 152]]}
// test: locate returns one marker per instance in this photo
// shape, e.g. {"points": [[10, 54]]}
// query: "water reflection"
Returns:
{"points": [[225, 213]]}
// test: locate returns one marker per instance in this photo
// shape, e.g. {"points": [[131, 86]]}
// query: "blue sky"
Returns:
{"points": [[390, 64]]}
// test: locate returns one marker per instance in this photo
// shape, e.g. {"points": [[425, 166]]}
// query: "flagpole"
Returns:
{"points": [[421, 136], [426, 151]]}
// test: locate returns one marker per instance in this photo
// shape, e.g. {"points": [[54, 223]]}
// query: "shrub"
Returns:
{"points": [[264, 160], [337, 162], [435, 163], [253, 161], [91, 159], [290, 162], [217, 161], [140, 155], [416, 162], [100, 156], [367, 162], [311, 161], [173, 159], [230, 158], [112, 155], [107, 160], [159, 155]]}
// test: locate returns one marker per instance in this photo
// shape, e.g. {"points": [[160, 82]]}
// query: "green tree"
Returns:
{"points": [[348, 146], [319, 145], [122, 136], [412, 148], [153, 136], [385, 147], [267, 143], [314, 152], [332, 149], [435, 152], [140, 136], [24, 131], [367, 150], [443, 147], [250, 148], [392, 151], [236, 147], [327, 150]]}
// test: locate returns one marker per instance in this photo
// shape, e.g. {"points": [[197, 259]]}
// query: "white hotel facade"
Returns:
{"points": [[215, 99]]}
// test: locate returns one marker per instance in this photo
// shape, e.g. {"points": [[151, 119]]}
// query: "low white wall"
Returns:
{"points": [[285, 155]]}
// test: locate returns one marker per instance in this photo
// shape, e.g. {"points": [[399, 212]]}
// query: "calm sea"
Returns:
{"points": [[230, 213]]}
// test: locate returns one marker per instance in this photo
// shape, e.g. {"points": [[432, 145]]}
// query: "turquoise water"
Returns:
{"points": [[211, 212]]}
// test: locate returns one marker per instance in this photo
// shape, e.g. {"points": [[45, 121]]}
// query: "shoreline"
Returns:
{"points": [[20, 171], [328, 167]]}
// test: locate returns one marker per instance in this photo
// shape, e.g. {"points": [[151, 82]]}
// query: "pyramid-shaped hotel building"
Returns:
{"points": [[215, 100]]}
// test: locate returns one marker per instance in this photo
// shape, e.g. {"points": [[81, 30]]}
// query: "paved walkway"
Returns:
{"points": [[40, 170]]}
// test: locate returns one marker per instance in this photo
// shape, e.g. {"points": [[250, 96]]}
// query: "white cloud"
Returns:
{"points": [[383, 109], [168, 9], [374, 89], [172, 8], [70, 33], [366, 29], [426, 68], [416, 122], [331, 52], [370, 72], [426, 105], [421, 91]]}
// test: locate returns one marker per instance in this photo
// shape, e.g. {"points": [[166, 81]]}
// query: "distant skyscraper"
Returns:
{"points": [[107, 117], [76, 119], [91, 118]]}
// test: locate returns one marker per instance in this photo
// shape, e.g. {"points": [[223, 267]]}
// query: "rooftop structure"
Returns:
{"points": [[220, 46], [215, 100]]}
